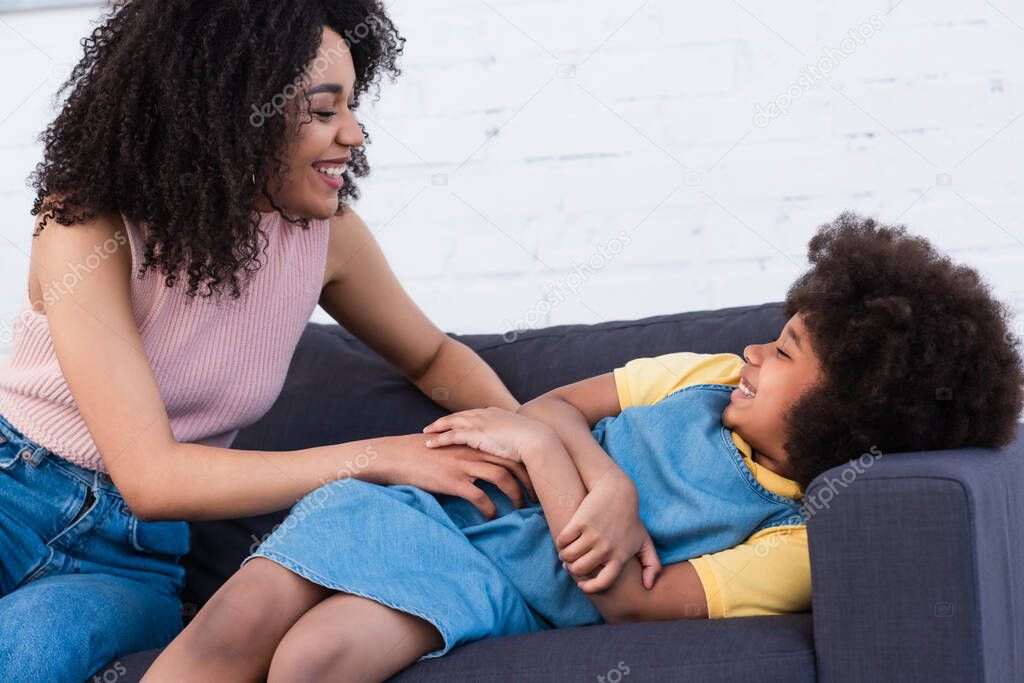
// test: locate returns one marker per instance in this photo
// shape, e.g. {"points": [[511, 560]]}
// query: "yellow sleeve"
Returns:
{"points": [[769, 573], [645, 381]]}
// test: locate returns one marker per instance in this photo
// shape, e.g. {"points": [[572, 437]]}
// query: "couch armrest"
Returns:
{"points": [[917, 567]]}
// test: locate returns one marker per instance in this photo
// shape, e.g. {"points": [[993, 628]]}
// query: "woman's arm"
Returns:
{"points": [[97, 344], [362, 293]]}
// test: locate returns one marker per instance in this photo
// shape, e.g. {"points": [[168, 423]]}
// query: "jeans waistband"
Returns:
{"points": [[36, 455]]}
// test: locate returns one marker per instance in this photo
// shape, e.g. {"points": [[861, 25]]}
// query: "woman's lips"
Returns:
{"points": [[332, 174]]}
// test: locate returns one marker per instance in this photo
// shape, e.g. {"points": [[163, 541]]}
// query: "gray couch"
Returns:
{"points": [[917, 559]]}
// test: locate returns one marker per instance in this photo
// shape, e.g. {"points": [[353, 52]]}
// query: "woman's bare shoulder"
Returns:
{"points": [[60, 251]]}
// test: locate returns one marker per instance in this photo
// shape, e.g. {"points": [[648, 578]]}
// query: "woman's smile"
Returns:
{"points": [[332, 172]]}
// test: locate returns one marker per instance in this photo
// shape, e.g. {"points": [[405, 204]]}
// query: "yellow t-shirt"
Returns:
{"points": [[770, 572]]}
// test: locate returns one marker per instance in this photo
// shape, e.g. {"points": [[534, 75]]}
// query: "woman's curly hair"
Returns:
{"points": [[915, 351], [170, 113]]}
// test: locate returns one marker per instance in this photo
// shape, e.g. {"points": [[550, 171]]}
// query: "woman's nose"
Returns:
{"points": [[350, 134]]}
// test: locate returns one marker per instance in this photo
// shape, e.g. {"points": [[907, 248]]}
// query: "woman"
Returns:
{"points": [[191, 214]]}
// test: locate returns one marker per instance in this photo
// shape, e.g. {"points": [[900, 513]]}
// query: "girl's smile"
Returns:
{"points": [[744, 390], [776, 375]]}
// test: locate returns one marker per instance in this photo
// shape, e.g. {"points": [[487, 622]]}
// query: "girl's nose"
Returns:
{"points": [[752, 354]]}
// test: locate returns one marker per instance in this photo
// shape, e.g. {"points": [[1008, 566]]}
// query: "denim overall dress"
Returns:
{"points": [[439, 558]]}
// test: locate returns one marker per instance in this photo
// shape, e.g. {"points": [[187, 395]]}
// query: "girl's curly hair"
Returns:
{"points": [[915, 351], [177, 104]]}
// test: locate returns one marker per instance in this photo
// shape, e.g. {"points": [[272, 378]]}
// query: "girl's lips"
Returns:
{"points": [[743, 391]]}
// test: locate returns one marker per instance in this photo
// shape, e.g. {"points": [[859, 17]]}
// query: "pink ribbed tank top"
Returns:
{"points": [[219, 363]]}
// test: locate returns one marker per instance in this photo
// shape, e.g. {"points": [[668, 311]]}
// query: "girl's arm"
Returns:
{"points": [[558, 484], [606, 531], [572, 411], [677, 593], [362, 293], [520, 439], [97, 343]]}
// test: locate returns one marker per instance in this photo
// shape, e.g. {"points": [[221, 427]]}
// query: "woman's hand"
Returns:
{"points": [[604, 533], [491, 430], [453, 471]]}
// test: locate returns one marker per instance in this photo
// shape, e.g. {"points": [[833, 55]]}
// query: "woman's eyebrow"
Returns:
{"points": [[332, 88]]}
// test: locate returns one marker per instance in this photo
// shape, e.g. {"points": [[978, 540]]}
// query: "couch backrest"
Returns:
{"points": [[338, 390]]}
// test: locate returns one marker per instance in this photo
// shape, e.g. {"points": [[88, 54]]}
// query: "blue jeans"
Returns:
{"points": [[82, 580]]}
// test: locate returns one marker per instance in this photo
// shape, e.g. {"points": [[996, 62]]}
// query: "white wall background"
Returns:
{"points": [[532, 140]]}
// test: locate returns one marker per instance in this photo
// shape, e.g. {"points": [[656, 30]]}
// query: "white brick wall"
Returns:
{"points": [[526, 135]]}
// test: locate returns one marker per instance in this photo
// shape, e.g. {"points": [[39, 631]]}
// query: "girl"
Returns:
{"points": [[889, 347], [192, 213]]}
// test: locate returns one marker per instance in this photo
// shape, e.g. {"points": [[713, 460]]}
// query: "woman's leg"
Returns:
{"points": [[350, 638], [234, 636], [68, 626], [74, 594]]}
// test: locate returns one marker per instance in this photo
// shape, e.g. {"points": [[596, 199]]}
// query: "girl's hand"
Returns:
{"points": [[454, 471], [491, 430], [604, 533]]}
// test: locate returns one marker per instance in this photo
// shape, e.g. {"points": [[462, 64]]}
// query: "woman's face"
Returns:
{"points": [[777, 374], [319, 151]]}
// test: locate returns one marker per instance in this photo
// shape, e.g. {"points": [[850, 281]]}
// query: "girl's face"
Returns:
{"points": [[319, 151], [777, 374]]}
